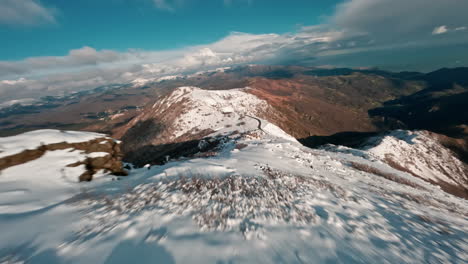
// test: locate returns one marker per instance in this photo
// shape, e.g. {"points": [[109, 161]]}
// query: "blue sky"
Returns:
{"points": [[140, 24], [51, 47]]}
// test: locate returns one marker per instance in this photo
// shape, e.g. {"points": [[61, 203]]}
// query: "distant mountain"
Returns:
{"points": [[440, 107], [305, 101], [446, 77]]}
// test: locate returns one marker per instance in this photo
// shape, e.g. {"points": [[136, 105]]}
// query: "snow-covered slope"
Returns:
{"points": [[34, 139], [191, 113], [418, 153], [41, 168], [213, 110], [260, 199], [42, 182]]}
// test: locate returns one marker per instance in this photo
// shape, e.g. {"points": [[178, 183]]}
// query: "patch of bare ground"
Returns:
{"points": [[386, 175]]}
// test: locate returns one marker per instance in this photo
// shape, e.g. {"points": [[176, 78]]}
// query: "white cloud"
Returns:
{"points": [[82, 57], [440, 30], [22, 101], [25, 12], [88, 68], [13, 82], [388, 21], [445, 29]]}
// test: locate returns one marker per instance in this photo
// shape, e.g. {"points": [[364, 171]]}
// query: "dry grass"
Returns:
{"points": [[457, 190], [213, 203], [386, 175], [392, 163], [336, 190]]}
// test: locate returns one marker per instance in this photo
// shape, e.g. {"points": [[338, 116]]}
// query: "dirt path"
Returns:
{"points": [[259, 122]]}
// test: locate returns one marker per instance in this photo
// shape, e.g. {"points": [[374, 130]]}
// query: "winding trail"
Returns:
{"points": [[259, 122]]}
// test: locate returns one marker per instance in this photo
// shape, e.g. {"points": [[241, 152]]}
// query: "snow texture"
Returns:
{"points": [[271, 201], [222, 111], [419, 153]]}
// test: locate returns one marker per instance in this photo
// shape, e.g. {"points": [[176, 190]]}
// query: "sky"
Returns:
{"points": [[140, 24], [57, 46]]}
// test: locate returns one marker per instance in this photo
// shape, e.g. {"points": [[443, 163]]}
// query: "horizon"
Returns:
{"points": [[80, 45]]}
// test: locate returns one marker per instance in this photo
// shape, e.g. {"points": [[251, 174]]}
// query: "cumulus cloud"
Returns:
{"points": [[82, 57], [88, 68], [25, 12]]}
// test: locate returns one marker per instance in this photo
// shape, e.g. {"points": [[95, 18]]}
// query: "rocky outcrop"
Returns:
{"points": [[112, 162], [100, 154]]}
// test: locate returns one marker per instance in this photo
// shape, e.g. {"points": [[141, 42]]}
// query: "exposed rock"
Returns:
{"points": [[101, 154]]}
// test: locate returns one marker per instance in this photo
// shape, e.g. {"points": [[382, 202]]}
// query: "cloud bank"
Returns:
{"points": [[359, 33]]}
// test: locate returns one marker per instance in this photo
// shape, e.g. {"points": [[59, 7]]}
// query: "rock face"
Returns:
{"points": [[111, 161], [96, 151]]}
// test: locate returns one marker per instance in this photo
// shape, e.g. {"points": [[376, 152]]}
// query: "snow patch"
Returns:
{"points": [[34, 139], [41, 182]]}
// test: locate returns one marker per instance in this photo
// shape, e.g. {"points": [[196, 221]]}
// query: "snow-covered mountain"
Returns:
{"points": [[191, 113], [258, 196]]}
